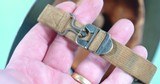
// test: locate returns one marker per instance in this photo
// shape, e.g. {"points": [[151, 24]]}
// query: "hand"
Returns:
{"points": [[43, 57]]}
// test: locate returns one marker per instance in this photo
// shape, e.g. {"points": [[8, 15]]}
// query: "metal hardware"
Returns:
{"points": [[74, 28], [106, 46], [90, 31]]}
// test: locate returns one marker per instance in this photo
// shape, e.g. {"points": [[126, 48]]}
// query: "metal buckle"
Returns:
{"points": [[86, 35], [92, 31], [105, 47]]}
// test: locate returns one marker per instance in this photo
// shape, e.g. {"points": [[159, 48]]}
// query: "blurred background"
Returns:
{"points": [[14, 12]]}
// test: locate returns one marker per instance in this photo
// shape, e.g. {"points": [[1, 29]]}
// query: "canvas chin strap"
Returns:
{"points": [[99, 42]]}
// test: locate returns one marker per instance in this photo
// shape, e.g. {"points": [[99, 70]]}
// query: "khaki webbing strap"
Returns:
{"points": [[119, 56]]}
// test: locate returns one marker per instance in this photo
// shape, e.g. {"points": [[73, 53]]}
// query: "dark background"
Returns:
{"points": [[151, 35]]}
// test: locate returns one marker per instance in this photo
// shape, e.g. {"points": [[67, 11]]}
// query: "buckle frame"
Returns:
{"points": [[91, 30], [106, 45]]}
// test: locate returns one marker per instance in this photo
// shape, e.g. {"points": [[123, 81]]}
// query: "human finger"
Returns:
{"points": [[119, 75], [62, 44], [34, 45], [60, 53], [94, 67]]}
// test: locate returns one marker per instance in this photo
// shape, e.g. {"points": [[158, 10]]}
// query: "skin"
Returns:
{"points": [[43, 57]]}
